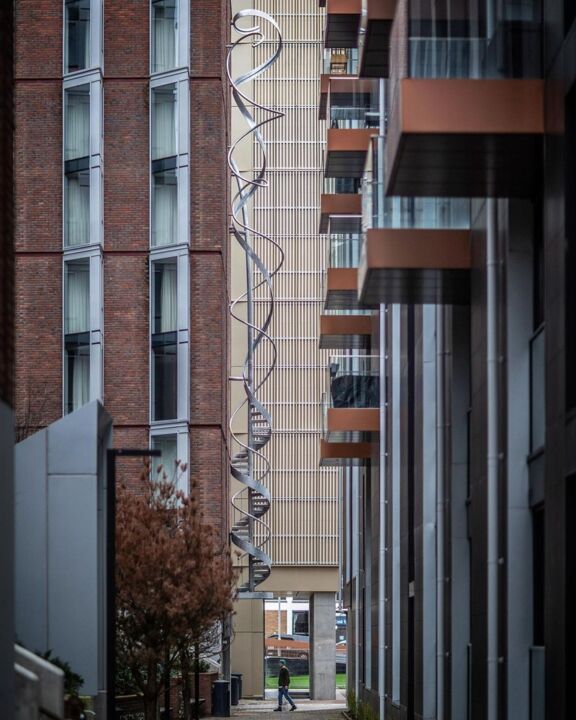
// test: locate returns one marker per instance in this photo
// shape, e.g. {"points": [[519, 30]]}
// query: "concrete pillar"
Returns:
{"points": [[322, 646]]}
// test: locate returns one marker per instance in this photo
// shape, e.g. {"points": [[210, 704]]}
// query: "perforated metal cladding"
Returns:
{"points": [[303, 517]]}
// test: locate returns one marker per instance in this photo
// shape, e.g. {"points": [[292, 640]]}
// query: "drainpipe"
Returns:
{"points": [[492, 465], [382, 518], [440, 492], [383, 453]]}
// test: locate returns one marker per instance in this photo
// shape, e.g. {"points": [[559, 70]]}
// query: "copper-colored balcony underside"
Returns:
{"points": [[342, 23], [375, 52], [352, 425], [340, 213], [345, 332], [346, 152], [415, 267], [465, 138], [335, 454], [342, 290]]}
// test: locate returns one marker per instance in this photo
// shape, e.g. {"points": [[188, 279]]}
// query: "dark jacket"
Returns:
{"points": [[284, 677]]}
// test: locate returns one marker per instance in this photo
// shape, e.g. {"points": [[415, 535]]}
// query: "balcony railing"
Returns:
{"points": [[342, 186], [353, 382], [341, 61], [344, 251], [444, 47], [379, 211]]}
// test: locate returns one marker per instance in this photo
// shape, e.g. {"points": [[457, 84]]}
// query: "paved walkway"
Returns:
{"points": [[307, 710]]}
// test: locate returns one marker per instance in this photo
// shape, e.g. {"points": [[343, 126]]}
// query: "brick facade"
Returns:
{"points": [[126, 172]]}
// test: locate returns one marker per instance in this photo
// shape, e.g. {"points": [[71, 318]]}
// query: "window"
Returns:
{"points": [[164, 121], [164, 35], [164, 340], [164, 207], [77, 333], [168, 445], [77, 35], [76, 162]]}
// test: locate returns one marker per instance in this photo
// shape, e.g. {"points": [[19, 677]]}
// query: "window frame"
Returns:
{"points": [[95, 34], [182, 39]]}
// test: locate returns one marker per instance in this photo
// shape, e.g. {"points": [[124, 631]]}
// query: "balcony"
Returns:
{"points": [[374, 38], [351, 405], [346, 151], [341, 278], [345, 332], [416, 250], [340, 213], [467, 113], [340, 63], [337, 454], [342, 23], [346, 97]]}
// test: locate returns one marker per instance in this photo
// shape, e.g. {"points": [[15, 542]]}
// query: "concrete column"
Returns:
{"points": [[322, 646]]}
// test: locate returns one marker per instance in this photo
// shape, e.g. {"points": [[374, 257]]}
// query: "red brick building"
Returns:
{"points": [[121, 216]]}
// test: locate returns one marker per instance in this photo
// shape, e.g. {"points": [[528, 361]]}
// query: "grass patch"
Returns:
{"points": [[302, 682]]}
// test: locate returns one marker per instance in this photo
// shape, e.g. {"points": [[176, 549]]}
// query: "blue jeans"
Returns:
{"points": [[283, 693]]}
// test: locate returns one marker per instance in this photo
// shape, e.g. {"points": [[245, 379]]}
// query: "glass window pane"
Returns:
{"points": [[77, 43], [167, 444], [77, 377], [165, 296], [165, 382], [164, 208], [77, 208], [77, 301], [164, 121], [77, 123], [164, 28]]}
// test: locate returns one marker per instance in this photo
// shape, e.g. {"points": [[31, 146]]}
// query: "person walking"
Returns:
{"points": [[283, 685]]}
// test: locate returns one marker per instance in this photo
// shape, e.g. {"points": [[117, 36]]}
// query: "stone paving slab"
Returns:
{"points": [[307, 710]]}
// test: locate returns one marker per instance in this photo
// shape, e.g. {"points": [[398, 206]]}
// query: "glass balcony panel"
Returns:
{"points": [[354, 381], [344, 251], [342, 186], [379, 211], [499, 40]]}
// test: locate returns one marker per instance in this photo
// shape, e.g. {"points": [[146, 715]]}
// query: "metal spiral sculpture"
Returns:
{"points": [[250, 532]]}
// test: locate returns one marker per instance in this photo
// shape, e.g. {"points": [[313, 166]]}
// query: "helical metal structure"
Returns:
{"points": [[250, 532]]}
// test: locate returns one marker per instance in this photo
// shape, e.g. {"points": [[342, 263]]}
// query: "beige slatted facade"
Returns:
{"points": [[304, 514]]}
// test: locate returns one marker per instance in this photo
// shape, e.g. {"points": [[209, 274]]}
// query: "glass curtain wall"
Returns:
{"points": [[77, 40], [77, 333], [76, 165], [164, 340]]}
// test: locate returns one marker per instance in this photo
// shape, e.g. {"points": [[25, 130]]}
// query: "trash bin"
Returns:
{"points": [[234, 689], [239, 676], [221, 698]]}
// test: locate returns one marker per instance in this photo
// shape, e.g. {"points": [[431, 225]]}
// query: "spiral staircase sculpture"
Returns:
{"points": [[250, 532]]}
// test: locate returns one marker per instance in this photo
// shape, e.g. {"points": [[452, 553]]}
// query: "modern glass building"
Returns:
{"points": [[450, 148]]}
